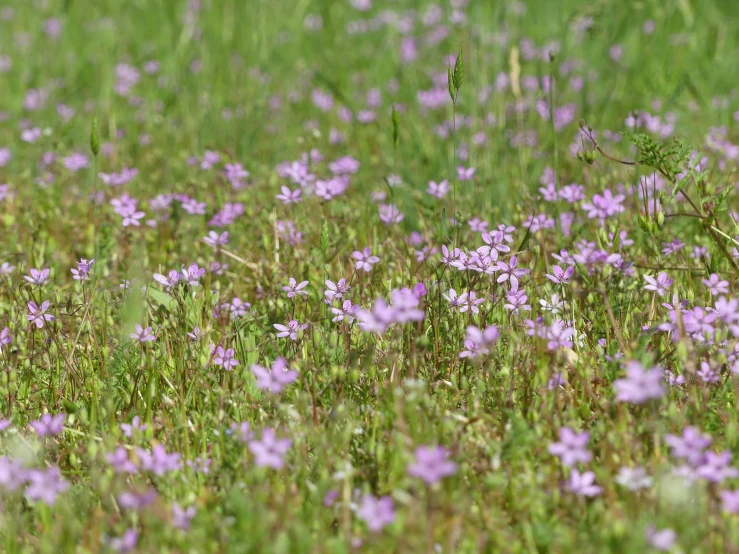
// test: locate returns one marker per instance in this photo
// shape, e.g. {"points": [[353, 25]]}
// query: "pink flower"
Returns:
{"points": [[276, 378], [365, 259], [37, 315], [270, 451], [294, 288], [290, 330]]}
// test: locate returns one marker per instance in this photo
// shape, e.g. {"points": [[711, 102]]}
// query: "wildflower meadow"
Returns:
{"points": [[382, 276]]}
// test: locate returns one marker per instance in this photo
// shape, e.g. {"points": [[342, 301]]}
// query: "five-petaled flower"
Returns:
{"points": [[142, 334], [640, 385], [583, 484], [270, 451], [376, 512], [290, 330], [48, 425], [276, 378], [37, 277], [293, 288], [216, 240], [365, 259], [560, 276], [224, 357], [37, 314], [572, 447], [658, 285], [432, 464]]}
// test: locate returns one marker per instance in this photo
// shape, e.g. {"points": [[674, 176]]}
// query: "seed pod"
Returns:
{"points": [[94, 137]]}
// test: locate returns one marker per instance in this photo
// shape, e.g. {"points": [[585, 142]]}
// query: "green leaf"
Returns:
{"points": [[161, 298]]}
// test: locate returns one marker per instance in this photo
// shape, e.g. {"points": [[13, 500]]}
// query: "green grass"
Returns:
{"points": [[363, 402]]}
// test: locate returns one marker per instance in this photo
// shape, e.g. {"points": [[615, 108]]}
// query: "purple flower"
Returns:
{"points": [[135, 425], [335, 291], [83, 270], [45, 485], [136, 500], [224, 357], [376, 512], [708, 374], [560, 276], [605, 206], [389, 214], [419, 290], [37, 315], [169, 280], [365, 259], [477, 225], [48, 425], [210, 159], [330, 498], [181, 518], [31, 135], [158, 461], [583, 484], [510, 272], [432, 464], [200, 465], [236, 175], [38, 276], [455, 301], [439, 190], [572, 447], [640, 385], [294, 288], [5, 337], [730, 501], [559, 335], [241, 431], [142, 334], [658, 285], [120, 462], [269, 450], [288, 196], [344, 165], [715, 467], [477, 342], [192, 274], [346, 312], [215, 240], [75, 162], [193, 207], [236, 308], [290, 330], [465, 174], [405, 304], [662, 540], [276, 378], [12, 474], [690, 446], [377, 320], [6, 268], [125, 543], [672, 247], [555, 381], [125, 176]]}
